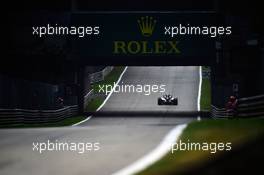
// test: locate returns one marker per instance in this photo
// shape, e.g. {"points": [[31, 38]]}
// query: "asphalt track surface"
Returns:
{"points": [[123, 140]]}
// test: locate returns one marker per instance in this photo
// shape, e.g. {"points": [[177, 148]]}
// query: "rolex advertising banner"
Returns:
{"points": [[168, 34]]}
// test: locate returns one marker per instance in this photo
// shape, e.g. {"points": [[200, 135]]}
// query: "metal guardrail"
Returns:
{"points": [[88, 97], [99, 76], [206, 73], [247, 107], [22, 116], [220, 112], [251, 106], [96, 77]]}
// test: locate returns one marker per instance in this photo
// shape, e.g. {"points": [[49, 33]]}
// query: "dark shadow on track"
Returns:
{"points": [[203, 114]]}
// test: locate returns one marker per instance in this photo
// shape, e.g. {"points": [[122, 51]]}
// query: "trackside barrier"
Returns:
{"points": [[219, 112], [247, 107], [9, 117], [96, 77], [100, 76], [88, 97], [251, 106]]}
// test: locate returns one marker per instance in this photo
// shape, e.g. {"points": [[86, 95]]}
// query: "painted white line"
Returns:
{"points": [[112, 89], [88, 118], [199, 91], [108, 96], [160, 151]]}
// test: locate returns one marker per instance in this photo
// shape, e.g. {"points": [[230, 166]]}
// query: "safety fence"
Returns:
{"points": [[9, 117], [206, 72], [99, 76], [88, 97], [220, 112], [246, 107]]}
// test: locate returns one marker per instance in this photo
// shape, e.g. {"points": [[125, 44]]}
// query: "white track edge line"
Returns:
{"points": [[160, 151], [199, 91], [88, 118], [108, 96], [112, 89]]}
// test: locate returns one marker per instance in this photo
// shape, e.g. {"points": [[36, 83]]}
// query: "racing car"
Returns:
{"points": [[167, 99]]}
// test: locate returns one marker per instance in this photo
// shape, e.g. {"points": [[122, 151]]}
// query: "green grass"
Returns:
{"points": [[205, 101], [65, 122], [238, 132], [94, 104]]}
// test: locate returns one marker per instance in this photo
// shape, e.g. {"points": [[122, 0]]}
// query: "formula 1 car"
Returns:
{"points": [[167, 99]]}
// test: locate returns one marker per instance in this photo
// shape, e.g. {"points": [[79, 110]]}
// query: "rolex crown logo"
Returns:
{"points": [[146, 25]]}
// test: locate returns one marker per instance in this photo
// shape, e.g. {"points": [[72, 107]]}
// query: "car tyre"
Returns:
{"points": [[160, 101], [175, 101]]}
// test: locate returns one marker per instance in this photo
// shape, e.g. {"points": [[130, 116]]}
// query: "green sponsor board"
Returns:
{"points": [[136, 34]]}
